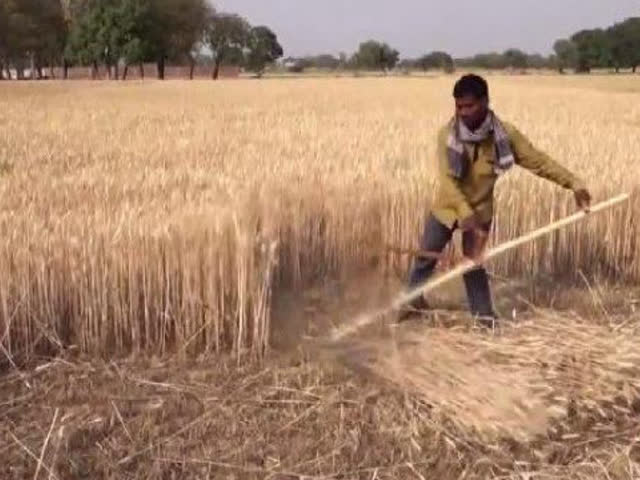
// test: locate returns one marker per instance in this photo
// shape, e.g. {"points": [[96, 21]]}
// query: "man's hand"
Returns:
{"points": [[470, 223], [480, 236], [583, 199]]}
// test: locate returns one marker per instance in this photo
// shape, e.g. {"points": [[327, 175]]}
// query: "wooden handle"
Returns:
{"points": [[468, 264]]}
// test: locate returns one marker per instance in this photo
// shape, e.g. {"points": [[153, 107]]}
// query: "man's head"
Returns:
{"points": [[471, 94]]}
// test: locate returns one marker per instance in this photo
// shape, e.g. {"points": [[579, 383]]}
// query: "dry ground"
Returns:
{"points": [[310, 412]]}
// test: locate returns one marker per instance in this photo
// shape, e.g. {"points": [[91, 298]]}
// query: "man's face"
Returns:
{"points": [[472, 111]]}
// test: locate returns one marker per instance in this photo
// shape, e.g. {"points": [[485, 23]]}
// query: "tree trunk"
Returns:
{"points": [[39, 72], [125, 71], [1, 70], [94, 70], [634, 68], [52, 70], [216, 68], [32, 66], [116, 70], [192, 67], [161, 65], [141, 66], [65, 69]]}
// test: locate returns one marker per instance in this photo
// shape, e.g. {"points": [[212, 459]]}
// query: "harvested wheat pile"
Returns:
{"points": [[517, 383]]}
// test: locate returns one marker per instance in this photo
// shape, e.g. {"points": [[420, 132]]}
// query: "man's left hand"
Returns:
{"points": [[583, 199]]}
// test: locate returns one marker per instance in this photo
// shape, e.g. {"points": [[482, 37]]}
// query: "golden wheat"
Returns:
{"points": [[161, 217]]}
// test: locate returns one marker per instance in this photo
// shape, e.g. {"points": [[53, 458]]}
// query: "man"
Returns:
{"points": [[474, 148]]}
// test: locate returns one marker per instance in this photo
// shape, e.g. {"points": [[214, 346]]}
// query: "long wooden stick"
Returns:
{"points": [[468, 264]]}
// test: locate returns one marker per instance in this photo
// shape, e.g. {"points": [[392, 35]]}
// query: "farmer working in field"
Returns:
{"points": [[474, 148]]}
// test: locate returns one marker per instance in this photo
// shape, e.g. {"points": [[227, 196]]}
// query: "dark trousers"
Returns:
{"points": [[435, 238]]}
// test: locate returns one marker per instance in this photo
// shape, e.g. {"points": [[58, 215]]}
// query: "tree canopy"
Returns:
{"points": [[125, 32], [226, 34], [375, 55], [263, 48], [35, 34]]}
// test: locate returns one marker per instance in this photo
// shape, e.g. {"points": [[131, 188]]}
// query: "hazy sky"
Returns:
{"points": [[461, 27]]}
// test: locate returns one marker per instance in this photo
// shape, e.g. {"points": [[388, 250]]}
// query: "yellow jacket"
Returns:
{"points": [[458, 199]]}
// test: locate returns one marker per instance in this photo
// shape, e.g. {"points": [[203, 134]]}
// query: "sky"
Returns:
{"points": [[414, 27]]}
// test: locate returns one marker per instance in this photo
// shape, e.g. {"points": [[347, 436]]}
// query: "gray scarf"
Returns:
{"points": [[459, 134]]}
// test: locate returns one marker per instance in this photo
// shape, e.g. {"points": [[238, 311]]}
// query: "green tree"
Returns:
{"points": [[133, 31], [263, 49], [374, 55], [34, 31], [133, 43], [83, 46], [515, 58], [594, 49], [98, 35], [624, 38], [435, 60], [176, 28], [566, 54], [226, 34], [489, 61], [4, 47]]}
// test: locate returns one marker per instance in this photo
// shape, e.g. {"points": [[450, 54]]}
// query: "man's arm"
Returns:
{"points": [[542, 165]]}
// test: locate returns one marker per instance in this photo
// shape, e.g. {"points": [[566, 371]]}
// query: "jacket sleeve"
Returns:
{"points": [[450, 190], [539, 163]]}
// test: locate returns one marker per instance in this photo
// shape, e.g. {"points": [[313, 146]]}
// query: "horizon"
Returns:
{"points": [[415, 27]]}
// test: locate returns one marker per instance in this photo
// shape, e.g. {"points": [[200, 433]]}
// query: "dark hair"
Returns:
{"points": [[473, 85]]}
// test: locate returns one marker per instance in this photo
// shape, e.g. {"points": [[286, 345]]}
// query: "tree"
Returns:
{"points": [[175, 29], [566, 54], [54, 35], [515, 58], [490, 61], [226, 34], [134, 45], [97, 36], [375, 55], [323, 61], [436, 60], [624, 39], [263, 49], [34, 30], [594, 49], [4, 47], [538, 61], [83, 45]]}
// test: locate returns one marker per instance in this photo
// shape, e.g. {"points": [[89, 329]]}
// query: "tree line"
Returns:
{"points": [[615, 47], [118, 34]]}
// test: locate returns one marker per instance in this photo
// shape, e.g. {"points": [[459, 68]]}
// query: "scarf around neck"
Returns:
{"points": [[460, 134]]}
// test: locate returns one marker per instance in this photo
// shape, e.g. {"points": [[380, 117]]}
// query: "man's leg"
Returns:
{"points": [[435, 237], [476, 282]]}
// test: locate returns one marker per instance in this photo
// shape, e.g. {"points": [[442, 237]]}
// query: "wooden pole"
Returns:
{"points": [[468, 264]]}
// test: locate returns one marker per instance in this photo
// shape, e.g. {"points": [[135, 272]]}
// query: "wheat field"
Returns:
{"points": [[162, 217]]}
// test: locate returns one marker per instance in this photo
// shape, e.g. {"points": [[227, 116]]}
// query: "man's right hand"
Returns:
{"points": [[480, 236], [472, 222]]}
